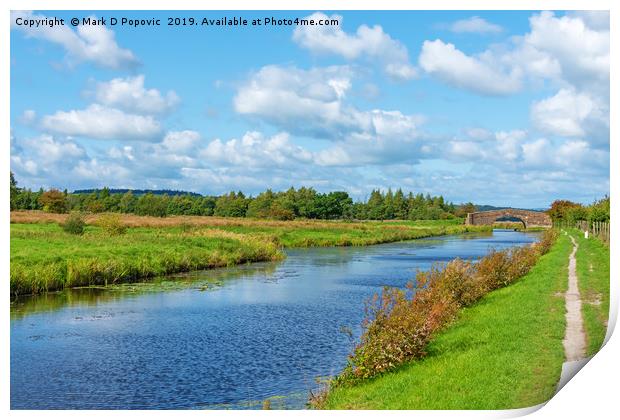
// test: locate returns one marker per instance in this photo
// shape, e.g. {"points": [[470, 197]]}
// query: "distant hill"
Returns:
{"points": [[139, 192], [485, 207]]}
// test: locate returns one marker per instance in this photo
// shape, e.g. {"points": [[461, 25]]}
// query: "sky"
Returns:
{"points": [[507, 108]]}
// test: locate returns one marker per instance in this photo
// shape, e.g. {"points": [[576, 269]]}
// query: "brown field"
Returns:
{"points": [[131, 220]]}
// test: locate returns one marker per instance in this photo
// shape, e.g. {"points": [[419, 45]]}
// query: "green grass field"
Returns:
{"points": [[593, 272], [45, 258], [504, 352]]}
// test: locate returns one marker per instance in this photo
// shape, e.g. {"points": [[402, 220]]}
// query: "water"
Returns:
{"points": [[226, 338]]}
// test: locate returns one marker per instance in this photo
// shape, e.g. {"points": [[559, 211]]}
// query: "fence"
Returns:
{"points": [[597, 229]]}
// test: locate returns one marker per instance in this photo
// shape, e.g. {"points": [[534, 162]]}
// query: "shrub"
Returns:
{"points": [[74, 224], [111, 224], [457, 280], [492, 270], [397, 328], [53, 201]]}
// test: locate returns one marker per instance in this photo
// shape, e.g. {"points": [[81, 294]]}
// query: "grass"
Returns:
{"points": [[354, 234], [44, 258], [504, 352], [593, 273]]}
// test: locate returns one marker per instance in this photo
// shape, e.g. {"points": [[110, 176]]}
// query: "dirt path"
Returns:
{"points": [[575, 337]]}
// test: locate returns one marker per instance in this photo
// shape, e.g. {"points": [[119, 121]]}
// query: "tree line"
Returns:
{"points": [[568, 212], [284, 205]]}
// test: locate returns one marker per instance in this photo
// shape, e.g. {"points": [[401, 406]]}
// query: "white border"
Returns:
{"points": [[591, 394]]}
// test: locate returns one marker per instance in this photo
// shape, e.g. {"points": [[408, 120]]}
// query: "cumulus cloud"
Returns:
{"points": [[518, 152], [129, 94], [478, 74], [182, 141], [581, 51], [570, 113], [369, 42], [96, 44], [256, 150], [44, 156], [313, 102], [100, 122], [571, 49], [595, 19], [475, 24]]}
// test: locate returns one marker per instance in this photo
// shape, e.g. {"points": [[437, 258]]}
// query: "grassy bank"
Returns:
{"points": [[503, 352], [44, 257], [350, 234], [593, 272]]}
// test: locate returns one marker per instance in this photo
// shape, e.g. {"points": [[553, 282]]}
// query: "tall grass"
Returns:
{"points": [[400, 323], [43, 258]]}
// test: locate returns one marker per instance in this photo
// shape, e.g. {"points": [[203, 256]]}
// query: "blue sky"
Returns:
{"points": [[504, 108]]}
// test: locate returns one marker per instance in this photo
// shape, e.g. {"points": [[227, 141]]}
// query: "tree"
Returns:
{"points": [[400, 205], [261, 205], [388, 205], [307, 203], [127, 203], [463, 209], [375, 205], [53, 201], [14, 192], [231, 205], [559, 209], [599, 211], [151, 205]]}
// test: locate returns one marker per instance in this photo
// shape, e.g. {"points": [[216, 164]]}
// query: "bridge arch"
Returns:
{"points": [[529, 218]]}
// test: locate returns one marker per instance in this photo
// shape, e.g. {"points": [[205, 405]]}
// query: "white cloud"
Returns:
{"points": [[302, 100], [477, 74], [99, 122], [130, 95], [465, 150], [475, 24], [45, 156], [49, 149], [508, 144], [568, 50], [181, 141], [369, 42], [537, 153], [88, 43], [570, 113], [255, 150], [595, 19], [313, 102], [478, 133], [100, 173], [125, 152], [581, 51], [21, 165]]}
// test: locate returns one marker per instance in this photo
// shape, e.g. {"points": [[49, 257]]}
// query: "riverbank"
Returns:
{"points": [[503, 352], [45, 258]]}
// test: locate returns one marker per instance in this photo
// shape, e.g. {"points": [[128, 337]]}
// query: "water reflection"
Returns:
{"points": [[227, 338]]}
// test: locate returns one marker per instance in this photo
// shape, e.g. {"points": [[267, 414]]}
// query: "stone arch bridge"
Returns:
{"points": [[529, 218]]}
